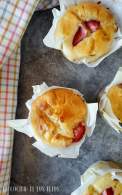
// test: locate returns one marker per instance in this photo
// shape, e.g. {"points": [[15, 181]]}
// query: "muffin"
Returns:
{"points": [[87, 31], [102, 178], [110, 102], [58, 117], [59, 120], [105, 185], [115, 96]]}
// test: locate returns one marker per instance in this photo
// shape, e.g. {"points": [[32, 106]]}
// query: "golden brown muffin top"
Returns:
{"points": [[87, 30], [58, 117], [104, 185], [115, 96]]}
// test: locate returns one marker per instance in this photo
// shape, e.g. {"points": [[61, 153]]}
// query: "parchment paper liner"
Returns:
{"points": [[72, 151], [105, 105], [95, 171], [114, 5]]}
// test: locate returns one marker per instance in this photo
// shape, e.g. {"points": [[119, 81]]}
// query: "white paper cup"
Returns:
{"points": [[105, 107], [96, 171], [114, 5], [72, 151]]}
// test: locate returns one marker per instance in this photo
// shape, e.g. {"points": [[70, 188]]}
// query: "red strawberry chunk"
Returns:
{"points": [[80, 35], [79, 132], [108, 191], [92, 25]]}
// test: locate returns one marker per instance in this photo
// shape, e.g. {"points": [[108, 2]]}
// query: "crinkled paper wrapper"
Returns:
{"points": [[105, 105], [115, 6], [24, 126], [95, 171]]}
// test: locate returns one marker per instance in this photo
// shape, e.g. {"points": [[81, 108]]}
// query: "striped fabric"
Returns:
{"points": [[14, 17], [44, 4], [8, 100]]}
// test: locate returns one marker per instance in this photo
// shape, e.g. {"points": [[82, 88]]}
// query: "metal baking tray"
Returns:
{"points": [[39, 173]]}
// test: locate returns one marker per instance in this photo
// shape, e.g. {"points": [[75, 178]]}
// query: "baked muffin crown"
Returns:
{"points": [[87, 31], [57, 114], [115, 96], [101, 178], [104, 185]]}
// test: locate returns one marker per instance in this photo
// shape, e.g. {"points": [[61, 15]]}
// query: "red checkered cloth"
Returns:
{"points": [[8, 100], [14, 18]]}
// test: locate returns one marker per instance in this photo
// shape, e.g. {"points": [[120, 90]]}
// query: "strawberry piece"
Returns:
{"points": [[108, 191], [80, 35], [79, 132], [92, 25]]}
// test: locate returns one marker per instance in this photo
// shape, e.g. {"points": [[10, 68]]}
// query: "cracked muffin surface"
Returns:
{"points": [[58, 117], [115, 96], [105, 179], [87, 31], [104, 185]]}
